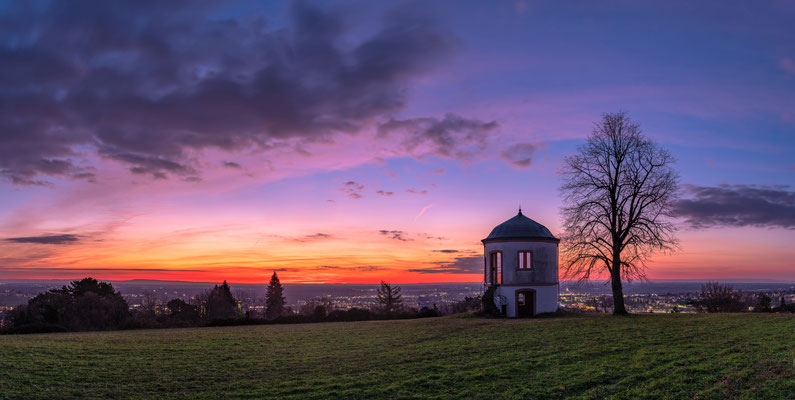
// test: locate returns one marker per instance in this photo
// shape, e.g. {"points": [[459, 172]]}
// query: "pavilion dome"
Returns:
{"points": [[520, 227]]}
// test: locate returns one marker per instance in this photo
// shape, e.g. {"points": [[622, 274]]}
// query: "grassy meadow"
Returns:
{"points": [[706, 356]]}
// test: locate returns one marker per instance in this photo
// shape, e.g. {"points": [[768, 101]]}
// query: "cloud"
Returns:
{"points": [[461, 265], [231, 164], [445, 251], [452, 136], [422, 212], [416, 191], [149, 86], [352, 189], [435, 237], [383, 193], [370, 268], [90, 270], [520, 154], [48, 239], [362, 268], [318, 235], [327, 267], [393, 234], [737, 205], [306, 238]]}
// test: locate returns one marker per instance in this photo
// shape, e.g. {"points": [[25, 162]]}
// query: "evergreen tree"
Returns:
{"points": [[389, 298], [220, 303], [274, 304]]}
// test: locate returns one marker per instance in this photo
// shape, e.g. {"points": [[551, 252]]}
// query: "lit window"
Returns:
{"points": [[525, 260], [520, 299], [496, 267]]}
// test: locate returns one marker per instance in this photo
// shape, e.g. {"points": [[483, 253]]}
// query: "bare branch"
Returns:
{"points": [[618, 192]]}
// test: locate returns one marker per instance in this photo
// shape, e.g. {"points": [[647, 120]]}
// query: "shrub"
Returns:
{"points": [[426, 312], [489, 306], [715, 297], [84, 305], [763, 303], [353, 314]]}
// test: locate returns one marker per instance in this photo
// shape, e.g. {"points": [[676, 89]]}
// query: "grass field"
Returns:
{"points": [[650, 356]]}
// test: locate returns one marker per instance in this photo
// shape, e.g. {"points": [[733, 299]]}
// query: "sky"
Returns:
{"points": [[354, 142]]}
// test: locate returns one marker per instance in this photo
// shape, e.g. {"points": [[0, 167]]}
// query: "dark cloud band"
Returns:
{"points": [[50, 239], [147, 85], [737, 205], [461, 265]]}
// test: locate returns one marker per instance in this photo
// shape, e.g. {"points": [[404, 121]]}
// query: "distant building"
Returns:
{"points": [[521, 263]]}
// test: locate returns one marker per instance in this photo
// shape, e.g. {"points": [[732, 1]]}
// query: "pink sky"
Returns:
{"points": [[360, 141]]}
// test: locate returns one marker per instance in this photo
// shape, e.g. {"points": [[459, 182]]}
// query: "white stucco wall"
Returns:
{"points": [[543, 277], [546, 298]]}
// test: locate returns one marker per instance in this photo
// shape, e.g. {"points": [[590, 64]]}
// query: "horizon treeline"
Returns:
{"points": [[91, 305]]}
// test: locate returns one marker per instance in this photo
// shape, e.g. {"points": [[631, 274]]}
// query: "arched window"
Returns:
{"points": [[495, 267]]}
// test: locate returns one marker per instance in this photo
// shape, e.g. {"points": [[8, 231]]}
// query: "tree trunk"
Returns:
{"points": [[618, 290]]}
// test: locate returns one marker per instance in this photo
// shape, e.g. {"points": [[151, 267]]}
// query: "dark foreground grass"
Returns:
{"points": [[651, 356]]}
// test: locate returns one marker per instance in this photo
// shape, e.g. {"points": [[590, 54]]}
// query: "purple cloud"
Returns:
{"points": [[352, 189], [520, 154], [460, 265], [394, 234], [452, 136], [118, 80], [47, 239], [737, 205]]}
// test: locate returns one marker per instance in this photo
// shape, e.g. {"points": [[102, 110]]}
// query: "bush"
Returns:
{"points": [[489, 306], [84, 305], [426, 312], [784, 307], [468, 304], [715, 297], [353, 314], [763, 303]]}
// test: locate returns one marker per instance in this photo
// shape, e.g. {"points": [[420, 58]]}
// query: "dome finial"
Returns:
{"points": [[520, 209]]}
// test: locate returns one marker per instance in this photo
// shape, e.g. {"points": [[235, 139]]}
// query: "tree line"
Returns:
{"points": [[90, 305], [716, 297]]}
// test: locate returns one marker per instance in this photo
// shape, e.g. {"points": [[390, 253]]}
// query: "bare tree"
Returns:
{"points": [[149, 302], [389, 298], [716, 297], [617, 193]]}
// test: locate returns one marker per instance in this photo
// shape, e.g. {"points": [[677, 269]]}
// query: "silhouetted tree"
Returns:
{"points": [[784, 307], [618, 192], [763, 303], [148, 302], [389, 298], [182, 312], [274, 304], [489, 305], [220, 303], [716, 297], [86, 304], [319, 306], [352, 314], [468, 304]]}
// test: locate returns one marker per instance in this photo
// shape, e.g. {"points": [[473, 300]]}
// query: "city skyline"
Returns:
{"points": [[346, 142]]}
